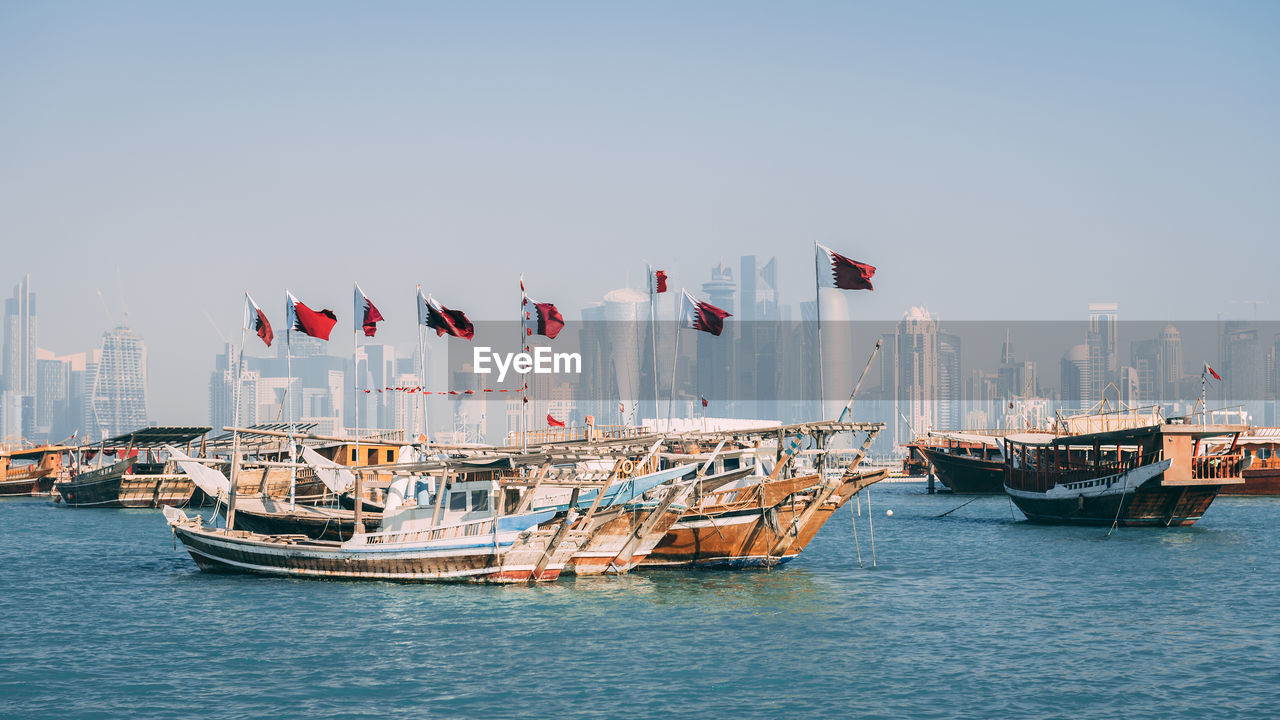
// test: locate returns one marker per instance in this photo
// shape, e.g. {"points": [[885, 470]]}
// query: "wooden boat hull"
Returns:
{"points": [[756, 537], [475, 560], [966, 475], [1135, 497], [614, 529], [128, 491], [1155, 506], [1257, 481], [276, 518], [27, 486]]}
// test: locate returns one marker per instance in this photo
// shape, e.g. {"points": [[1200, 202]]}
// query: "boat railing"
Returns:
{"points": [[1217, 467], [1041, 471], [471, 529]]}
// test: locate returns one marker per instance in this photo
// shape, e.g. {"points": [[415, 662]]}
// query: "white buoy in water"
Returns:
{"points": [[888, 512]]}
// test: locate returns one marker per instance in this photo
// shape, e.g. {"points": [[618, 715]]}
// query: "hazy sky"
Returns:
{"points": [[995, 160]]}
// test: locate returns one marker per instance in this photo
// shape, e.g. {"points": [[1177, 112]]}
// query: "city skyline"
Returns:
{"points": [[938, 381]]}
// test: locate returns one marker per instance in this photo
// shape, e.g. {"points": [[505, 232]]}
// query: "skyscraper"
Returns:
{"points": [[1101, 341], [1077, 385], [1169, 370], [118, 395], [20, 340], [917, 372], [714, 368]]}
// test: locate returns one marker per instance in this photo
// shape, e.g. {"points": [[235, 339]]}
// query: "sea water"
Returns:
{"points": [[977, 614]]}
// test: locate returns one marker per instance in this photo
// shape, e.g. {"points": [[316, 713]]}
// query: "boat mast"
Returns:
{"points": [[357, 321], [235, 414], [288, 359], [653, 332]]}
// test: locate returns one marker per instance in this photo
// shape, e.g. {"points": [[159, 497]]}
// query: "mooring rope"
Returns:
{"points": [[853, 515], [957, 507]]}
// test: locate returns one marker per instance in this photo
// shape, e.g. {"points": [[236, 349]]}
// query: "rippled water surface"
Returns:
{"points": [[977, 614]]}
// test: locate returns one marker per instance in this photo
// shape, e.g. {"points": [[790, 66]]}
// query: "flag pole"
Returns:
{"points": [[288, 359], [524, 385], [653, 333], [817, 305], [422, 377], [235, 432], [357, 320], [675, 355]]}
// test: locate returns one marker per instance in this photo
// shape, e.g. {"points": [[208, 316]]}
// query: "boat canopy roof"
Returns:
{"points": [[36, 452], [1129, 435], [154, 436], [963, 437]]}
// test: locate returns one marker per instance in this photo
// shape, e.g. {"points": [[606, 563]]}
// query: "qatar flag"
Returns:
{"points": [[256, 320], [308, 321], [657, 281], [443, 320], [545, 319], [701, 316], [838, 271], [1210, 370], [366, 313], [552, 422], [541, 318]]}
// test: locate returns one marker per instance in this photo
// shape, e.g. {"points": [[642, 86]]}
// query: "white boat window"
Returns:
{"points": [[479, 500], [458, 501]]}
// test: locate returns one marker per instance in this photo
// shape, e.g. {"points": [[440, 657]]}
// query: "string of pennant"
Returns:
{"points": [[419, 389]]}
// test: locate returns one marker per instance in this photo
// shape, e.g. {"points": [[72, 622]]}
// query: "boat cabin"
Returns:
{"points": [[1198, 455]]}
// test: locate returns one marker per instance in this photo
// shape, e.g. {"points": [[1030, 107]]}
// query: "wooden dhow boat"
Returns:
{"points": [[761, 520], [444, 524], [966, 463], [1158, 475], [132, 481], [32, 471]]}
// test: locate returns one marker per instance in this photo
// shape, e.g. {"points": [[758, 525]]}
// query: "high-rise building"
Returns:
{"points": [[1102, 345], [118, 396], [1077, 384], [950, 383], [222, 390], [20, 340], [715, 353], [1243, 372], [1168, 385], [1144, 360], [917, 372]]}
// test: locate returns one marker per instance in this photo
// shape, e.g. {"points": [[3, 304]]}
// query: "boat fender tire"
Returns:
{"points": [[628, 467]]}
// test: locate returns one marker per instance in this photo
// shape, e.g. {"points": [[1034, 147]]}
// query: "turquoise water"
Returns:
{"points": [[974, 615]]}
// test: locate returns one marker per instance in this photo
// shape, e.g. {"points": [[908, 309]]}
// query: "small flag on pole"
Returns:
{"points": [[701, 316], [658, 281], [1211, 371], [838, 271], [308, 321], [256, 320], [551, 421], [704, 400], [366, 313], [443, 320]]}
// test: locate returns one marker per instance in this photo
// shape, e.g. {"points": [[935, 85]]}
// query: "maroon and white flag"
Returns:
{"points": [[366, 313], [317, 324], [539, 318], [657, 281], [443, 320], [1211, 371], [838, 271], [701, 316], [256, 320]]}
